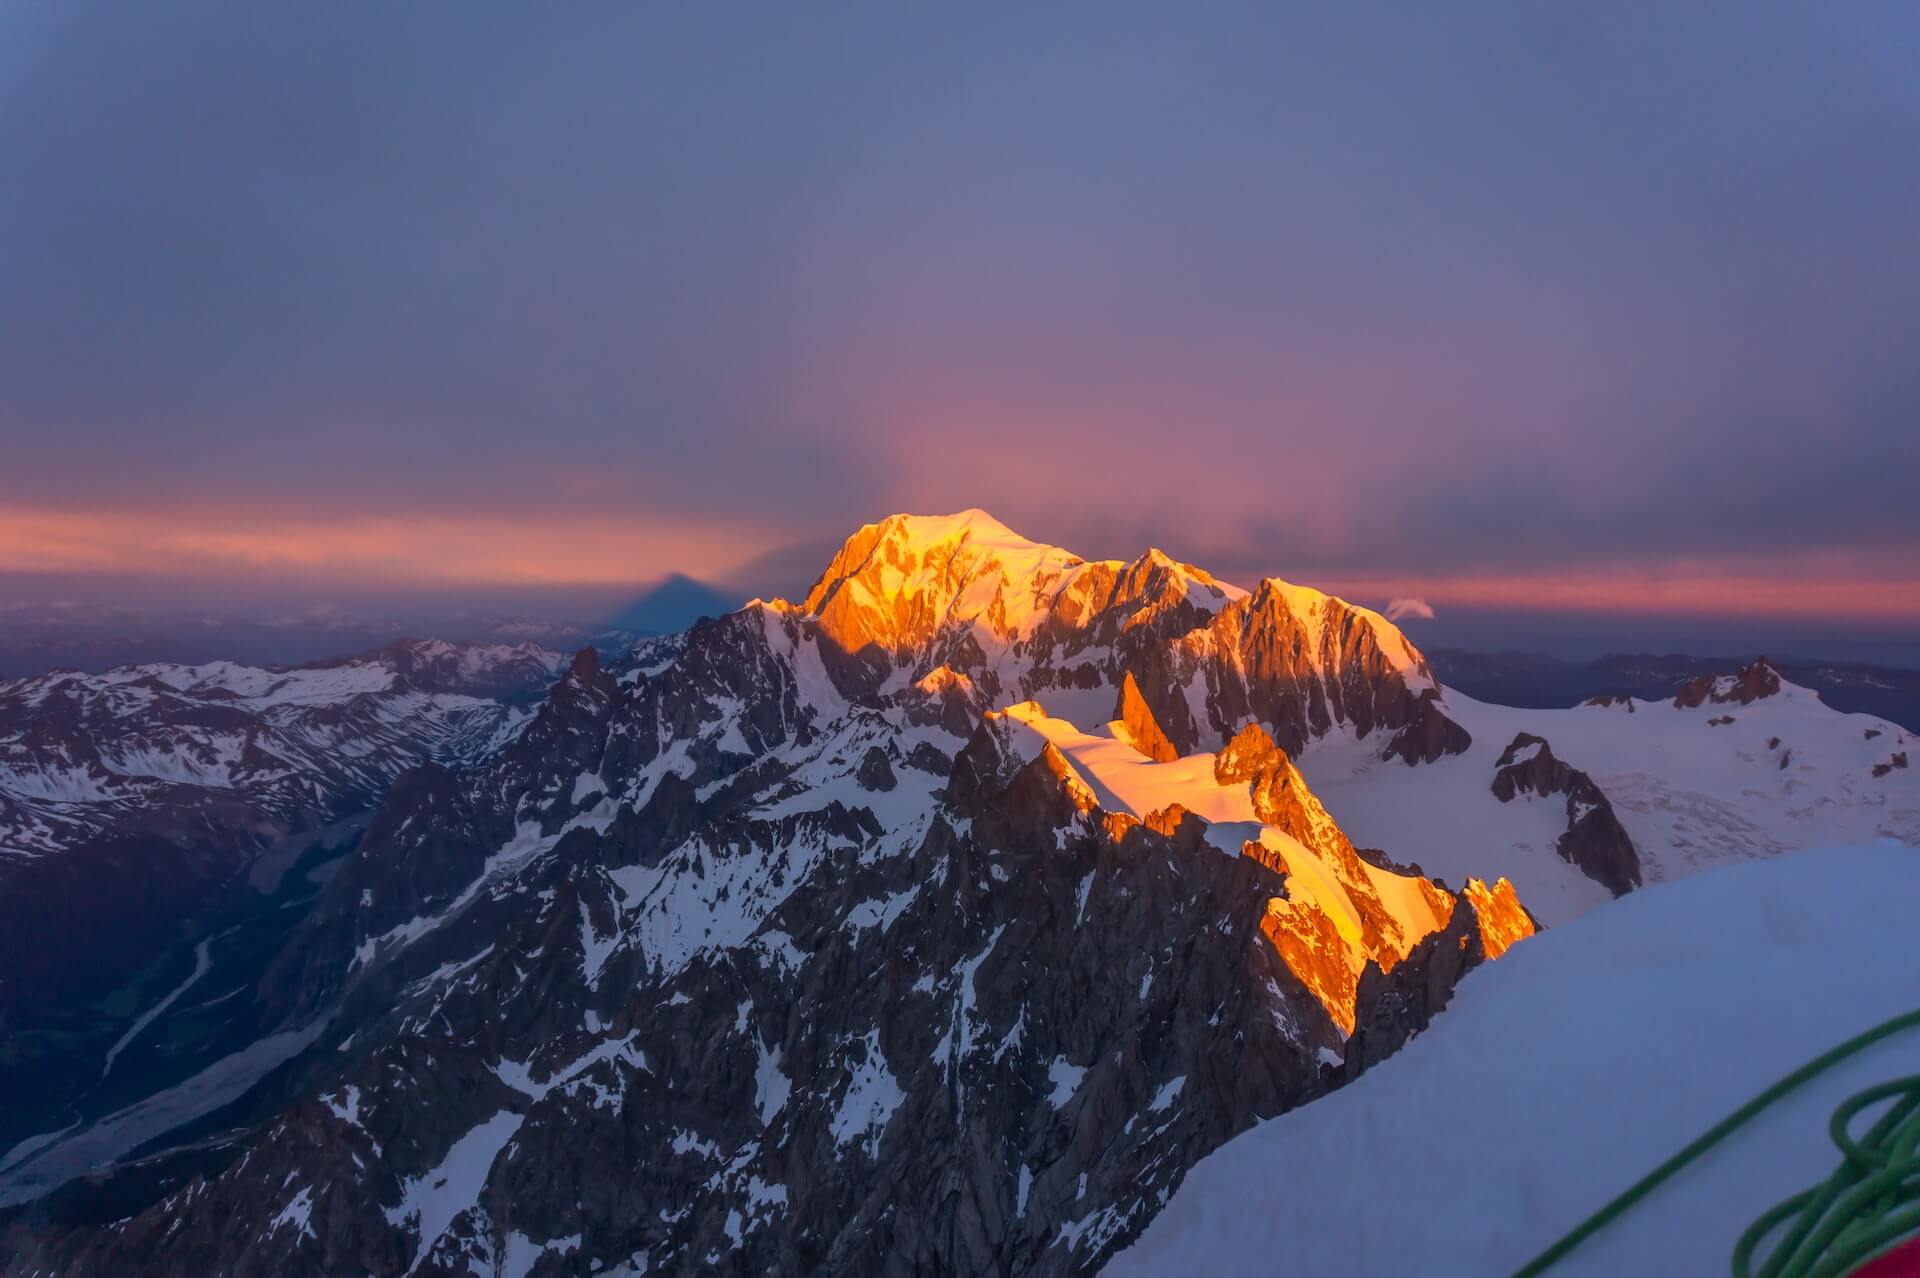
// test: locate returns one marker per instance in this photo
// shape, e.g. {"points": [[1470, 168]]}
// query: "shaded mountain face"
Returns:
{"points": [[857, 935], [128, 798], [40, 638], [1595, 841]]}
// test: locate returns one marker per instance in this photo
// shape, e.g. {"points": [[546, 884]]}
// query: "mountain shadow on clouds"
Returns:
{"points": [[675, 604]]}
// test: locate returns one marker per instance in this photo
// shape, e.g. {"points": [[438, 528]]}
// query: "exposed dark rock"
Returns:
{"points": [[875, 773], [1428, 734], [928, 757], [1761, 679], [1527, 766], [1376, 857], [666, 820], [1392, 1007], [768, 1032], [1595, 841], [983, 767], [1164, 1003]]}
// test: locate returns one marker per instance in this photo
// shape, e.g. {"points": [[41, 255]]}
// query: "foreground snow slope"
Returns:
{"points": [[1569, 1069]]}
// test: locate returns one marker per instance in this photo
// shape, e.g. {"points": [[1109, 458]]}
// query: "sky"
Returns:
{"points": [[1588, 310]]}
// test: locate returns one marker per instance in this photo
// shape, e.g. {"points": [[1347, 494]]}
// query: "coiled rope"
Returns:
{"points": [[1870, 1203]]}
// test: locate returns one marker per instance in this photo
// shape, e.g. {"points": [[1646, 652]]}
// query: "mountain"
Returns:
{"points": [[40, 637], [770, 946], [940, 921], [1725, 768], [1530, 1103], [1542, 681], [129, 800]]}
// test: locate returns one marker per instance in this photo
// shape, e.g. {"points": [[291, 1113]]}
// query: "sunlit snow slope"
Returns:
{"points": [[1569, 1069], [1340, 912]]}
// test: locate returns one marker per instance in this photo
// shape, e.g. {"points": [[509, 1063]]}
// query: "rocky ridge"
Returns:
{"points": [[676, 981], [164, 780], [1595, 841]]}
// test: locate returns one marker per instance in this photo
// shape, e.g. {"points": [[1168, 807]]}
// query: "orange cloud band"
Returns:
{"points": [[509, 548], [549, 548]]}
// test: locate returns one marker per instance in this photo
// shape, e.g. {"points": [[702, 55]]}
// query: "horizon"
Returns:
{"points": [[1439, 619]]}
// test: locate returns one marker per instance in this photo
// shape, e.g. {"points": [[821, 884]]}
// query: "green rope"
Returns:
{"points": [[1869, 1204]]}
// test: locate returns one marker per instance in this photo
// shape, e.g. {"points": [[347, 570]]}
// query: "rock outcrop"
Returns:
{"points": [[1761, 679], [1595, 841], [1143, 730]]}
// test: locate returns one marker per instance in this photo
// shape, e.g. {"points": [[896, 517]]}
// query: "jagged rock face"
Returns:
{"points": [[1339, 912], [1281, 799], [770, 950], [1143, 730], [1387, 1004], [1055, 1011], [1428, 734], [1392, 1003], [876, 772], [1761, 679], [965, 596], [166, 779], [1595, 841], [1300, 662], [1527, 766], [1503, 921]]}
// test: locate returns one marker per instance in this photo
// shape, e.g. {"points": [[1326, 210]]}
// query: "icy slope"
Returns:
{"points": [[1695, 787], [1566, 1071]]}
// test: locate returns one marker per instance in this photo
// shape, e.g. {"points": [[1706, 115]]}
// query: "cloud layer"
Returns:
{"points": [[1547, 294]]}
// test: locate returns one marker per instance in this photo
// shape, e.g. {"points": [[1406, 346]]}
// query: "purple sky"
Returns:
{"points": [[1602, 306]]}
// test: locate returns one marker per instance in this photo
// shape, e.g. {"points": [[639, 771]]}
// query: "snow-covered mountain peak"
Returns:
{"points": [[1313, 607], [896, 583], [1023, 620]]}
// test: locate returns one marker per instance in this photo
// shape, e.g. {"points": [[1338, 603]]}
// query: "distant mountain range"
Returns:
{"points": [[35, 639], [133, 800], [941, 921], [1536, 679]]}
